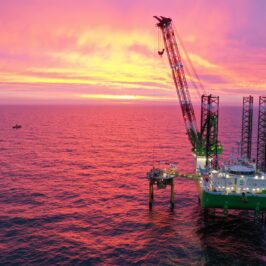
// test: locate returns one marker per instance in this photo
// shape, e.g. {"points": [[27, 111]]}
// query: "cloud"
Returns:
{"points": [[96, 48]]}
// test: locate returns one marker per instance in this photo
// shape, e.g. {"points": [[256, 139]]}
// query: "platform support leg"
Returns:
{"points": [[151, 195], [226, 208], [257, 211], [198, 200], [205, 214], [172, 199]]}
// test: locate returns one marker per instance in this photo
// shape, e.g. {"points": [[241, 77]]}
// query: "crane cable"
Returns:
{"points": [[153, 111], [199, 88], [159, 48], [160, 52]]}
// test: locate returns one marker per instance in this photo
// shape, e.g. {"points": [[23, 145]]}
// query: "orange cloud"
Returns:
{"points": [[124, 97], [110, 47]]}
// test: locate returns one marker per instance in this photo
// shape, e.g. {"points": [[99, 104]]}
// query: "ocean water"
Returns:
{"points": [[73, 191]]}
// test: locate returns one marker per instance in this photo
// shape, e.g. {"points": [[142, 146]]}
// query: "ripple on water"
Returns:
{"points": [[79, 195]]}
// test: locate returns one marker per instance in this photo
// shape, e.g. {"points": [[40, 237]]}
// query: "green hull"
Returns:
{"points": [[233, 201]]}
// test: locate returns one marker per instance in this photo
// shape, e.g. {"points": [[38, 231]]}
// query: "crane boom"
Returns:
{"points": [[165, 24]]}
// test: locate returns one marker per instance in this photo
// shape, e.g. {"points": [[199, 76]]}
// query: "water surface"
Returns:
{"points": [[73, 191]]}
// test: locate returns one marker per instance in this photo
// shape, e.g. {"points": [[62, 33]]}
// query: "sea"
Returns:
{"points": [[73, 190]]}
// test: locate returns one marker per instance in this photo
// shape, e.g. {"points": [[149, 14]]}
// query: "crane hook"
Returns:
{"points": [[161, 52]]}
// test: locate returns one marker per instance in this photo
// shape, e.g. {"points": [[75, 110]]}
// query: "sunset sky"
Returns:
{"points": [[105, 51]]}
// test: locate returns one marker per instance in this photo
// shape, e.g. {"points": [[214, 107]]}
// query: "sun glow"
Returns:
{"points": [[123, 97], [112, 54]]}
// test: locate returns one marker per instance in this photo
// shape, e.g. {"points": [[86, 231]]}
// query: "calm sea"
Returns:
{"points": [[73, 191]]}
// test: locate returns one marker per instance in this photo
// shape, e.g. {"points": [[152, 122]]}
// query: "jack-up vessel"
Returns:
{"points": [[238, 183]]}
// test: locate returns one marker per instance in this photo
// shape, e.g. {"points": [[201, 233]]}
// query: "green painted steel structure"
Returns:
{"points": [[256, 202]]}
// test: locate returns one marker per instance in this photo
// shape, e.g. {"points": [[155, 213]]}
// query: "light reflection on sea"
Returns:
{"points": [[73, 191]]}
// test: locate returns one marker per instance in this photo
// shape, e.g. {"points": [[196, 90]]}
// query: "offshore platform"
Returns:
{"points": [[239, 183]]}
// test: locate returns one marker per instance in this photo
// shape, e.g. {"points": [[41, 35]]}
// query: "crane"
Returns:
{"points": [[202, 147]]}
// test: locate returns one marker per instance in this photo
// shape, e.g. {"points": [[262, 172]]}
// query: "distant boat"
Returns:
{"points": [[17, 126]]}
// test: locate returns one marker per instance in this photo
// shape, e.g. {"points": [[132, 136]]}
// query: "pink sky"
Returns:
{"points": [[87, 52]]}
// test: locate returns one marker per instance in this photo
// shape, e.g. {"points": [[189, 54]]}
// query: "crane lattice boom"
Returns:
{"points": [[165, 24]]}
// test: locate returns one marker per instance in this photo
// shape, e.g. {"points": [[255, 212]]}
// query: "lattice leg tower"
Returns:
{"points": [[209, 127], [261, 141], [246, 136]]}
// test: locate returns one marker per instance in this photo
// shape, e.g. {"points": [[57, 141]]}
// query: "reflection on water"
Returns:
{"points": [[73, 190], [236, 238]]}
